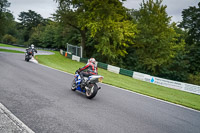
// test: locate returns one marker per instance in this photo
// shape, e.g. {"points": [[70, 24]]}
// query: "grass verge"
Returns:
{"points": [[11, 51], [6, 45], [175, 96]]}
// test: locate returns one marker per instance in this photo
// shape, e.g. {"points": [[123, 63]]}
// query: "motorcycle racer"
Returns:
{"points": [[92, 69], [31, 49]]}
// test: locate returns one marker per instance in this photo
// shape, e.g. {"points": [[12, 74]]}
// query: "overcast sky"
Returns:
{"points": [[47, 7]]}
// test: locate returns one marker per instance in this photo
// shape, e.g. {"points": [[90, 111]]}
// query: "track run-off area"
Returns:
{"points": [[42, 99]]}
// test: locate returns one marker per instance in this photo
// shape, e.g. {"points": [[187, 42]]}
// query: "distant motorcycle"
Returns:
{"points": [[28, 54], [91, 88]]}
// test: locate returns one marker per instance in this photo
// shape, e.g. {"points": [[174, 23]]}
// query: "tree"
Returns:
{"points": [[191, 23], [68, 13], [109, 25], [156, 42], [106, 22], [36, 36], [10, 27], [4, 4], [28, 20], [177, 68], [48, 36]]}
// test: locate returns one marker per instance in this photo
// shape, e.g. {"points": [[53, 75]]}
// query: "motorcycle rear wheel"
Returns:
{"points": [[91, 91]]}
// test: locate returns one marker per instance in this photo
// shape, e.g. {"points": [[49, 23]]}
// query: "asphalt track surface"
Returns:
{"points": [[41, 98], [39, 52]]}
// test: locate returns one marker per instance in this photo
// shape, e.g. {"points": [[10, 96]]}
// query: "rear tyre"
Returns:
{"points": [[91, 91], [73, 88]]}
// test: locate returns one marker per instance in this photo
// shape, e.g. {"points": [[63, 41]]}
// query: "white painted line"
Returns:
{"points": [[131, 92], [15, 119], [55, 69]]}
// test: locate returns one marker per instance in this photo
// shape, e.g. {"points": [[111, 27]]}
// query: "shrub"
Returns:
{"points": [[194, 79], [9, 39]]}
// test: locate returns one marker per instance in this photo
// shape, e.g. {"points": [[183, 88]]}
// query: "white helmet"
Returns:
{"points": [[92, 60], [32, 46]]}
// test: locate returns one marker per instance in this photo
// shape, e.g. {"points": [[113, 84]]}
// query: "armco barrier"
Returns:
{"points": [[167, 83], [61, 51], [77, 58], [140, 76], [84, 60], [126, 72], [102, 65], [69, 56], [113, 69], [192, 88]]}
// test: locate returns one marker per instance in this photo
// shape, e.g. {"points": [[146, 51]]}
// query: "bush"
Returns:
{"points": [[8, 39], [194, 79]]}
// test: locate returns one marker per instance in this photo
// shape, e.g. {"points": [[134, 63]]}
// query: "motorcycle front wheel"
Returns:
{"points": [[26, 58], [91, 91], [73, 88]]}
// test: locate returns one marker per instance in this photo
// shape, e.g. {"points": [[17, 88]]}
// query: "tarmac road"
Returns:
{"points": [[39, 52], [41, 98]]}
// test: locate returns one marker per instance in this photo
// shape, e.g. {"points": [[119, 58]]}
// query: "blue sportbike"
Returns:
{"points": [[90, 88]]}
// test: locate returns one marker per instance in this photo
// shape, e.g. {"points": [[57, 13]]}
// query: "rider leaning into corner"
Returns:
{"points": [[31, 48], [91, 68]]}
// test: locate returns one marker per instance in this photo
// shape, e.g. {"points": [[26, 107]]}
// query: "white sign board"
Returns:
{"points": [[168, 83], [140, 76]]}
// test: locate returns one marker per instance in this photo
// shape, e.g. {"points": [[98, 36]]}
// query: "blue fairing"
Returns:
{"points": [[78, 82]]}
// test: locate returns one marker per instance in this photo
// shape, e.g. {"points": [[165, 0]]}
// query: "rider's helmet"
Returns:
{"points": [[92, 60], [32, 46]]}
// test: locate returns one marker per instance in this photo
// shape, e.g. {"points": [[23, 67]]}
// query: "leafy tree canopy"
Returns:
{"points": [[156, 40], [106, 21], [4, 4], [191, 23], [30, 19]]}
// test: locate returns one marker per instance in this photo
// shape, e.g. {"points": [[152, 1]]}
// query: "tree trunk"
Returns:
{"points": [[83, 40]]}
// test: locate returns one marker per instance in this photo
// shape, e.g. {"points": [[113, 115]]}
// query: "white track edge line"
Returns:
{"points": [[15, 119], [131, 91]]}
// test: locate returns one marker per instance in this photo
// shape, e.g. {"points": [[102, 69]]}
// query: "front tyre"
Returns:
{"points": [[91, 91], [73, 88], [26, 58]]}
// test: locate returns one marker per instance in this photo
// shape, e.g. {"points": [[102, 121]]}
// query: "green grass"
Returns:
{"points": [[6, 45], [172, 95], [11, 51]]}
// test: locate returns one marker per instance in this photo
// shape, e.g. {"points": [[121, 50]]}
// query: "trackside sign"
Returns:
{"points": [[168, 83]]}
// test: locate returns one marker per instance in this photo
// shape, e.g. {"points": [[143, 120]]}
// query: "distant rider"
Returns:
{"points": [[91, 70], [31, 49]]}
